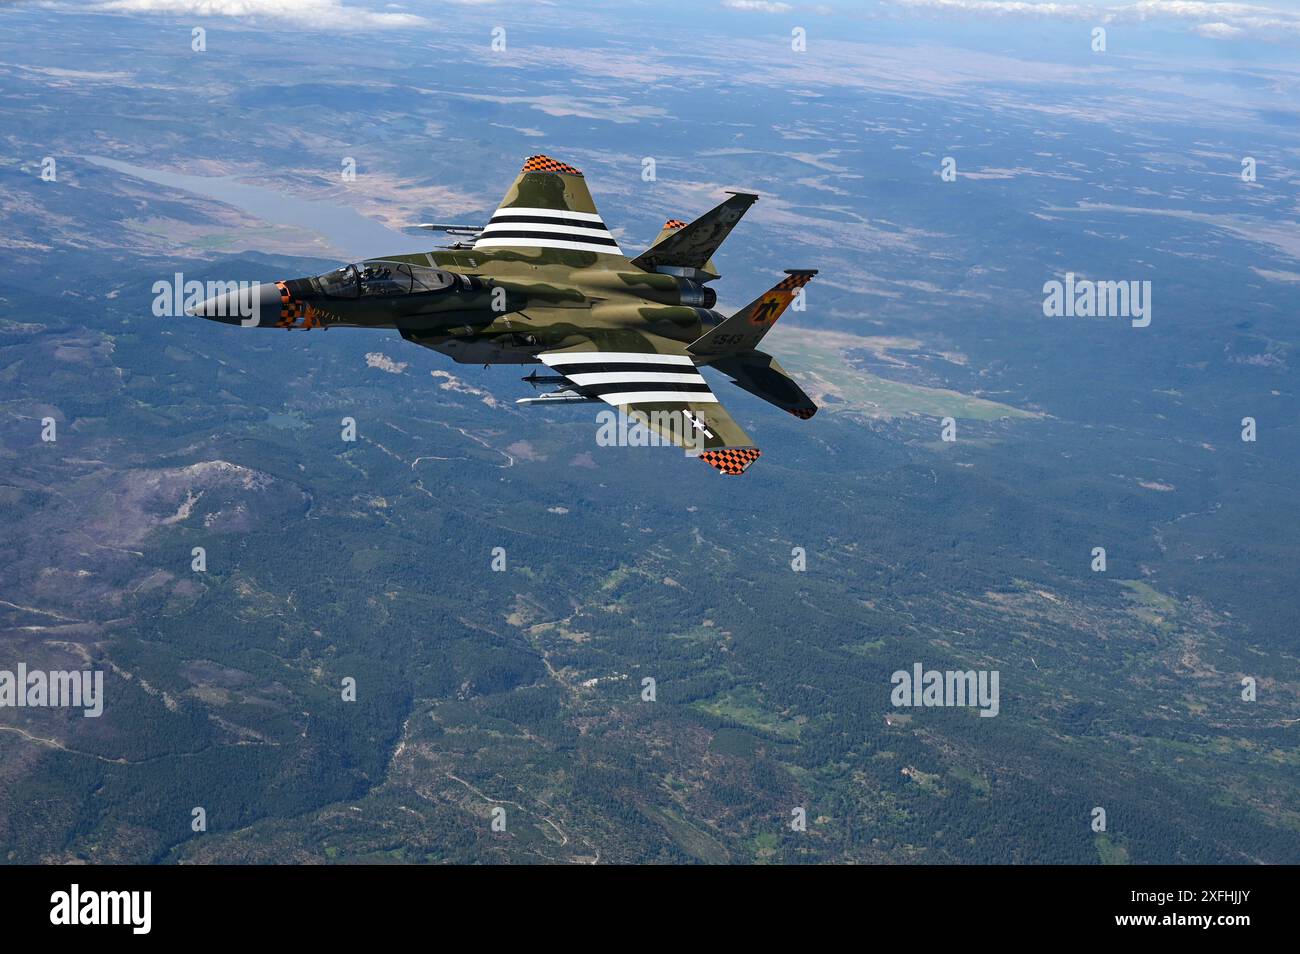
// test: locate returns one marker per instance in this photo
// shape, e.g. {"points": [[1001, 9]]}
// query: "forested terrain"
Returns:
{"points": [[523, 688]]}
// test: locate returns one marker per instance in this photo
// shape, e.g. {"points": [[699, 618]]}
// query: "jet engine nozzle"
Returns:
{"points": [[695, 295]]}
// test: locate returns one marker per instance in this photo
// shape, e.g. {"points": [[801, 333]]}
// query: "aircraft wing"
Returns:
{"points": [[548, 216], [654, 379]]}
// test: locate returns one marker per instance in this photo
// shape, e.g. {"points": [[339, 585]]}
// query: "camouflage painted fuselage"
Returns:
{"points": [[521, 304]]}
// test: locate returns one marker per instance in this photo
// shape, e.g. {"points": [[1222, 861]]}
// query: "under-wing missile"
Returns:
{"points": [[536, 379], [559, 397], [450, 229]]}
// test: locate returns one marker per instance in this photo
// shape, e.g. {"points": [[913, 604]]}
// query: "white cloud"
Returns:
{"points": [[757, 6], [1219, 31], [321, 14], [1215, 19], [1003, 7], [377, 359]]}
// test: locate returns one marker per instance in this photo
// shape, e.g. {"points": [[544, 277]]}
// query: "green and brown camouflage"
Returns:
{"points": [[545, 281]]}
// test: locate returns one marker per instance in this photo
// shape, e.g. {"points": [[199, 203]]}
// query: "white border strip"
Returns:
{"points": [[595, 357], [659, 397], [561, 230], [549, 213], [636, 377], [547, 243]]}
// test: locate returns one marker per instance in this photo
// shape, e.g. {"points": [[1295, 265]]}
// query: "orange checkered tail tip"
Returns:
{"points": [[731, 460], [547, 164]]}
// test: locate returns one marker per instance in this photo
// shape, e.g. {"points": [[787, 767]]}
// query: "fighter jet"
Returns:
{"points": [[545, 282]]}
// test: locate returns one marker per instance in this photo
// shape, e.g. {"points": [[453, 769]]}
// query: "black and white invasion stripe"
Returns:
{"points": [[547, 228], [627, 377]]}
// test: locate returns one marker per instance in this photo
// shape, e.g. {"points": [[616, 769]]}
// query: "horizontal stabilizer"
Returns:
{"points": [[763, 377]]}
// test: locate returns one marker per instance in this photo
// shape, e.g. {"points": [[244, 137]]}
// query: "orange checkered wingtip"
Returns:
{"points": [[731, 460], [547, 164], [674, 224]]}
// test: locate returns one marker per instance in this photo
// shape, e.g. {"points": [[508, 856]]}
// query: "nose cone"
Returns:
{"points": [[254, 306]]}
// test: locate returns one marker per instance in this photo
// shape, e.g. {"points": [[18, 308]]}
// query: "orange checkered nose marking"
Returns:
{"points": [[547, 164], [731, 460], [674, 224], [295, 313], [290, 310]]}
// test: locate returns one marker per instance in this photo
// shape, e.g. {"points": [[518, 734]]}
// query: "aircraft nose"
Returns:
{"points": [[256, 307]]}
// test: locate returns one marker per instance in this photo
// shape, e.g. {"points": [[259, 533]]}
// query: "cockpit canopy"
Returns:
{"points": [[379, 278]]}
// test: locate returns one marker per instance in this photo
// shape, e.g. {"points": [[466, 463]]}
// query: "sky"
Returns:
{"points": [[1270, 21]]}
